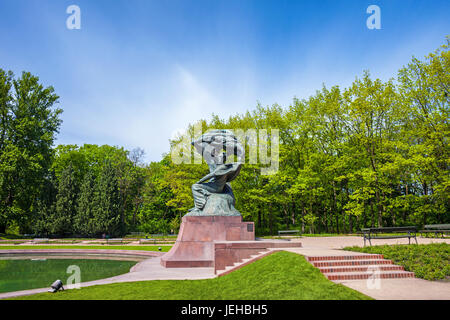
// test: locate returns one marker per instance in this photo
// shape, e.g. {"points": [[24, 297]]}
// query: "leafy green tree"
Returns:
{"points": [[66, 203], [29, 122], [373, 154], [425, 88], [107, 215], [85, 222], [44, 210], [157, 208]]}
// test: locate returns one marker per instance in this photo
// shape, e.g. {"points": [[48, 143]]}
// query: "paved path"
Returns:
{"points": [[342, 242], [392, 289], [384, 289], [402, 289]]}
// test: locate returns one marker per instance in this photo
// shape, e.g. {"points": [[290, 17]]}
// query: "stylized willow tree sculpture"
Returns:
{"points": [[212, 193]]}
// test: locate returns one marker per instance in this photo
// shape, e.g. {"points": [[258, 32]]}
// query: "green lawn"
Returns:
{"points": [[427, 261], [31, 274], [282, 275], [113, 247]]}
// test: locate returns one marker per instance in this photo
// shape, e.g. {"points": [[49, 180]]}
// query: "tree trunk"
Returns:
{"points": [[293, 214], [364, 214], [259, 217], [425, 193], [270, 220], [303, 218], [286, 216], [404, 211], [379, 209], [372, 218], [310, 212], [135, 213], [335, 208]]}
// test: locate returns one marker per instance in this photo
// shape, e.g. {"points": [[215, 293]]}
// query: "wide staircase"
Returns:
{"points": [[358, 267], [235, 265], [232, 255]]}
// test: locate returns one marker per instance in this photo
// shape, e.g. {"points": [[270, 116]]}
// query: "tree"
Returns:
{"points": [[44, 210], [29, 122], [85, 222], [66, 203], [375, 153], [107, 215], [425, 88]]}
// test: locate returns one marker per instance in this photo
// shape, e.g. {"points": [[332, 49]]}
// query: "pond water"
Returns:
{"points": [[31, 271]]}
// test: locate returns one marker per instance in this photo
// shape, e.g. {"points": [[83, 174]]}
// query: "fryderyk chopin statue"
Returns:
{"points": [[212, 194]]}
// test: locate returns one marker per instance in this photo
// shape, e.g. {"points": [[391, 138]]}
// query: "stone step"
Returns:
{"points": [[388, 267], [336, 263], [367, 275], [346, 257], [243, 262], [231, 263], [235, 264], [358, 267]]}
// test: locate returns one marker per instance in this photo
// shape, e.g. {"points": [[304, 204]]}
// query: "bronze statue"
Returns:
{"points": [[216, 196]]}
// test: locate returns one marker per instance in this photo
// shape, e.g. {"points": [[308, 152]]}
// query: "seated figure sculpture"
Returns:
{"points": [[212, 193], [212, 234]]}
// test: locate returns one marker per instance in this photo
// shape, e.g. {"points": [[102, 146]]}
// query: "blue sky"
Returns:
{"points": [[138, 71]]}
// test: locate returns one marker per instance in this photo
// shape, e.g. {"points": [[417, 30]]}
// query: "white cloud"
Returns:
{"points": [[148, 119]]}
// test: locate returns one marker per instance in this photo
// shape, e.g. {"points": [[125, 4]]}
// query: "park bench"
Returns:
{"points": [[159, 236], [141, 241], [374, 233], [40, 240], [436, 229], [281, 232], [138, 234], [114, 240]]}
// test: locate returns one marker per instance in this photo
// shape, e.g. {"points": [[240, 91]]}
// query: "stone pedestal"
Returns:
{"points": [[195, 243]]}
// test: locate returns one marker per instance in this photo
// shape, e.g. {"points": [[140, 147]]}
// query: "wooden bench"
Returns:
{"points": [[40, 240], [138, 234], [436, 229], [280, 232], [114, 240], [372, 233], [141, 241]]}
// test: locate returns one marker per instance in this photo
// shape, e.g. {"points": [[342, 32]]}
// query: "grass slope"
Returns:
{"points": [[18, 275], [282, 275], [112, 247], [427, 261]]}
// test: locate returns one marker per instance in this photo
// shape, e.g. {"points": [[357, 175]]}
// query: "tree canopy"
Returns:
{"points": [[373, 154]]}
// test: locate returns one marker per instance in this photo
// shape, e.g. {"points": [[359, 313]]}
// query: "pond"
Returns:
{"points": [[32, 271]]}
